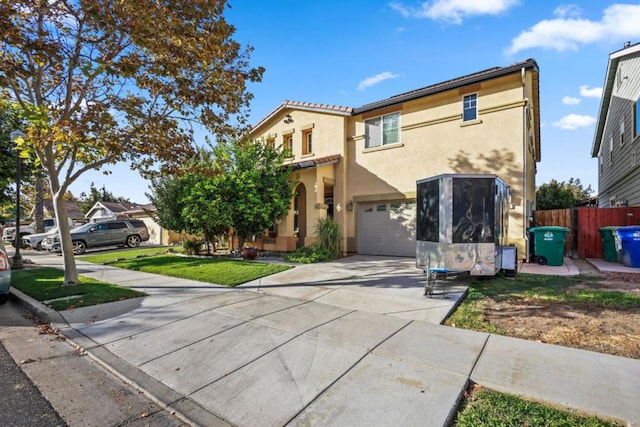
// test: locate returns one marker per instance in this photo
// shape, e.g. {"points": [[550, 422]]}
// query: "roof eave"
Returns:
{"points": [[399, 99]]}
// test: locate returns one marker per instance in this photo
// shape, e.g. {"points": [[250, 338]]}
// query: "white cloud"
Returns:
{"points": [[568, 31], [453, 11], [574, 121], [567, 10], [569, 100], [371, 81], [590, 92]]}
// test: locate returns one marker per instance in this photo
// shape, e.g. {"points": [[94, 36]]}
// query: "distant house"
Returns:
{"points": [[103, 211], [616, 143], [360, 165], [73, 210]]}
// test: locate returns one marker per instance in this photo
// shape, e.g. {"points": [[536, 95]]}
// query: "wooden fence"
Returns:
{"points": [[583, 239]]}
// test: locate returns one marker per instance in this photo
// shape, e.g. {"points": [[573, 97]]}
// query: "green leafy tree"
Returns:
{"points": [[167, 196], [106, 81], [206, 208], [561, 195], [87, 201], [9, 121], [255, 185]]}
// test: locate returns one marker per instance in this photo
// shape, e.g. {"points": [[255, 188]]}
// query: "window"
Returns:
{"points": [[470, 107], [636, 118], [383, 130], [307, 139], [287, 144], [621, 132], [116, 225], [611, 150], [381, 208]]}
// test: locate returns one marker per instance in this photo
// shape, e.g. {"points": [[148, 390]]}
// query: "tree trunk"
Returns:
{"points": [[70, 270], [39, 205]]}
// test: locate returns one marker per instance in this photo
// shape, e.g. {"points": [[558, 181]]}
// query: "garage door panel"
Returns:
{"points": [[387, 228]]}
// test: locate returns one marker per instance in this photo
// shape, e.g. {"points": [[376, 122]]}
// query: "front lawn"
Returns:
{"points": [[220, 271], [113, 256], [44, 284], [483, 407], [580, 311]]}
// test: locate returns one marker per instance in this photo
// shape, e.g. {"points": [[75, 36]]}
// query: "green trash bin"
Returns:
{"points": [[609, 251], [549, 244]]}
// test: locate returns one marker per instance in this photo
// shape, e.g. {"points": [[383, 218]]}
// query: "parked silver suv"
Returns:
{"points": [[129, 232]]}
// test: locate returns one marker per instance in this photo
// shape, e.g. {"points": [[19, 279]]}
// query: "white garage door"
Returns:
{"points": [[387, 228]]}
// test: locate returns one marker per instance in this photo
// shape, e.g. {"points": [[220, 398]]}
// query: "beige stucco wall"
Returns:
{"points": [[433, 140]]}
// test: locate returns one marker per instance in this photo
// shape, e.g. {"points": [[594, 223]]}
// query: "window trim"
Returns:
{"points": [[636, 118], [380, 119], [473, 107], [307, 142], [287, 143]]}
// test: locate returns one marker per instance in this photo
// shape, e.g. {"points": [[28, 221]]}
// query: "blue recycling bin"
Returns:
{"points": [[630, 241]]}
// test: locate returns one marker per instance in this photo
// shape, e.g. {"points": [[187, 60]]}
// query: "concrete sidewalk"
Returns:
{"points": [[351, 342]]}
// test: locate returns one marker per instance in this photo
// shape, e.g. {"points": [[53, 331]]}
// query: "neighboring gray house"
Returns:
{"points": [[617, 139]]}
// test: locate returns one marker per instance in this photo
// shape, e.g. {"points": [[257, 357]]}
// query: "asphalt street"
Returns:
{"points": [[46, 381], [21, 403]]}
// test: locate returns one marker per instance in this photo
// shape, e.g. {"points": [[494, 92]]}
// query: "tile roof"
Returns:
{"points": [[307, 106], [312, 163], [448, 85]]}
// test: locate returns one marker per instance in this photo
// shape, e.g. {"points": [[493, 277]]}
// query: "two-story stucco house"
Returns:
{"points": [[360, 165], [616, 143]]}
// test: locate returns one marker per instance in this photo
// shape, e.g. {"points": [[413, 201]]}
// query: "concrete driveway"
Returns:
{"points": [[352, 342]]}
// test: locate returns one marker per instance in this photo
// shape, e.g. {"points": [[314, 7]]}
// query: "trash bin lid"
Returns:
{"points": [[629, 231], [610, 227], [549, 228]]}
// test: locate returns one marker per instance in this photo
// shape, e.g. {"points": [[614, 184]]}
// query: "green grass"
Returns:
{"points": [[46, 283], [113, 256], [532, 289], [490, 408], [225, 272]]}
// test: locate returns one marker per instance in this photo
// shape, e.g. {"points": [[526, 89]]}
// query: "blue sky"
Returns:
{"points": [[354, 52]]}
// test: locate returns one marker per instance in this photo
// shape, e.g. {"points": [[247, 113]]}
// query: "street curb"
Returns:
{"points": [[36, 308]]}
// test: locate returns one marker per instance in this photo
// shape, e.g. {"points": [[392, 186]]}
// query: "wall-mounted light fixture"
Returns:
{"points": [[288, 119], [349, 205]]}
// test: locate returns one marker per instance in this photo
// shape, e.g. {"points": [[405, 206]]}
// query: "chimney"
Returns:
{"points": [[627, 44]]}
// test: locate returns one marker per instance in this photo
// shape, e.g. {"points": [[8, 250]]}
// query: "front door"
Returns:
{"points": [[300, 215]]}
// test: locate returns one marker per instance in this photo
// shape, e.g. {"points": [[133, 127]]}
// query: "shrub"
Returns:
{"points": [[308, 255], [192, 246], [329, 237]]}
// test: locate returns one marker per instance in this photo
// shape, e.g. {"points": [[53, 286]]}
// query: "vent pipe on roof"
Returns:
{"points": [[627, 44]]}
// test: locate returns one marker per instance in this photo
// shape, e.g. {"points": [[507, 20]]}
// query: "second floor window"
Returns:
{"points": [[470, 107], [383, 130], [307, 140], [287, 144]]}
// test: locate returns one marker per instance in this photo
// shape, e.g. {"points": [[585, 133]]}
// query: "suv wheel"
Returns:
{"points": [[79, 247], [133, 241]]}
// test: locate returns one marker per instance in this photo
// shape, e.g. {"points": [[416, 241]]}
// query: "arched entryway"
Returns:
{"points": [[300, 215]]}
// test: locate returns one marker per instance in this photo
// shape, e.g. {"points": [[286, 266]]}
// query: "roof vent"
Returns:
{"points": [[627, 44]]}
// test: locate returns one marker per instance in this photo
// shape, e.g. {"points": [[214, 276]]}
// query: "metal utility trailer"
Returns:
{"points": [[461, 227]]}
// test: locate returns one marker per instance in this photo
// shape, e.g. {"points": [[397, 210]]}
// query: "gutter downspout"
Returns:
{"points": [[525, 154]]}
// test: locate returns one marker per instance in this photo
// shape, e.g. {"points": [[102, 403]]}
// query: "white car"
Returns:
{"points": [[34, 241]]}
